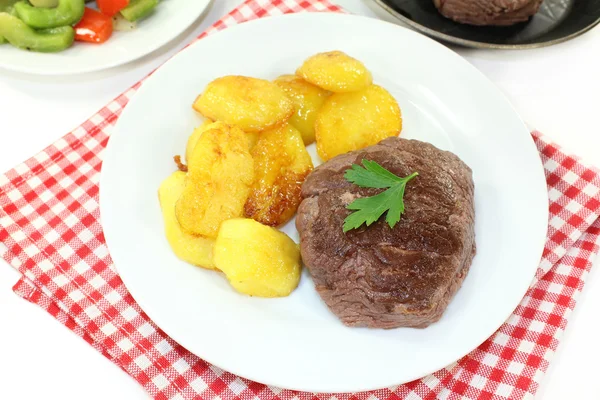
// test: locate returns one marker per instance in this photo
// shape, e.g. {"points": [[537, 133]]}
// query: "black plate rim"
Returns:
{"points": [[476, 44]]}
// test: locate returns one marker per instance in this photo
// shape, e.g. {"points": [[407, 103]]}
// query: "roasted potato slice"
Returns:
{"points": [[251, 104], [196, 250], [258, 260], [252, 139], [281, 163], [208, 124], [351, 121], [335, 71], [308, 98], [193, 139], [218, 181]]}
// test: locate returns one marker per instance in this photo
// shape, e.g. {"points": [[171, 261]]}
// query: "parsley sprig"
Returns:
{"points": [[370, 209]]}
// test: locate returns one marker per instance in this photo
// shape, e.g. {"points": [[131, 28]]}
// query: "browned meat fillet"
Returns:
{"points": [[381, 277], [488, 12]]}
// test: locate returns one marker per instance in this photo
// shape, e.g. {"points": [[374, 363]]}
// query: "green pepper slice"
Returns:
{"points": [[7, 7], [44, 3], [138, 9], [68, 12], [17, 33]]}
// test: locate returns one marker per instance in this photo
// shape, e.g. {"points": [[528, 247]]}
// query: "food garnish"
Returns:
{"points": [[370, 209]]}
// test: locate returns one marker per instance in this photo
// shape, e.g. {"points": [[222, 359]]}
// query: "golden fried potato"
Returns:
{"points": [[308, 98], [281, 163], [193, 139], [197, 250], [208, 124], [352, 121], [258, 260], [335, 71], [218, 181], [252, 139], [251, 104]]}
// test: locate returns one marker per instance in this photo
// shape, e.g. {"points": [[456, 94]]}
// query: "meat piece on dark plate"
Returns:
{"points": [[488, 12]]}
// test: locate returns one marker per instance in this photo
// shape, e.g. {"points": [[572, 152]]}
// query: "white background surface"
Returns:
{"points": [[555, 89]]}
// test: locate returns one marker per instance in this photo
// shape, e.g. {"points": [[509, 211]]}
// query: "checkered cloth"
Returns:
{"points": [[50, 232]]}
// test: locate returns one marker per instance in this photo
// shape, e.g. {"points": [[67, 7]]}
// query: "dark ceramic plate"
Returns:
{"points": [[555, 22]]}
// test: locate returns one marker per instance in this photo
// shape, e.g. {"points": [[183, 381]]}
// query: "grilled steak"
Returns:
{"points": [[488, 12], [381, 277]]}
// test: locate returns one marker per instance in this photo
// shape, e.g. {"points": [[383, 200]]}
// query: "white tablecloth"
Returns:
{"points": [[556, 90]]}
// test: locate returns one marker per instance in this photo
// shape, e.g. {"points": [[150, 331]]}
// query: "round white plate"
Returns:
{"points": [[295, 342], [169, 19]]}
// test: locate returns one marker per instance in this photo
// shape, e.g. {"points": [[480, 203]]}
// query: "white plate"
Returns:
{"points": [[169, 19], [295, 342]]}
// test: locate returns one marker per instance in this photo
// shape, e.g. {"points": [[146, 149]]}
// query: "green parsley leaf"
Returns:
{"points": [[370, 209]]}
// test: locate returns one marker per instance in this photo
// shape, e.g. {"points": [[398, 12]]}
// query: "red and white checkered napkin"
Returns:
{"points": [[50, 232]]}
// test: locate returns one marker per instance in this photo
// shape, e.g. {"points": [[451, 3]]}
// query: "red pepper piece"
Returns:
{"points": [[94, 27], [111, 7]]}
